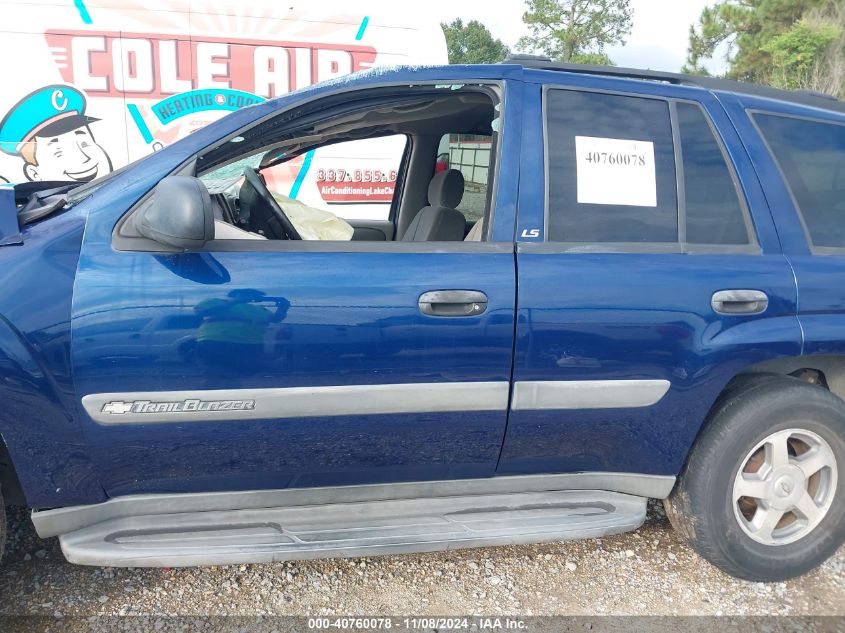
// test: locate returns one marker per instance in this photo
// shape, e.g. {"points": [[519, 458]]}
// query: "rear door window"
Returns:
{"points": [[611, 167], [714, 206], [811, 156], [638, 173]]}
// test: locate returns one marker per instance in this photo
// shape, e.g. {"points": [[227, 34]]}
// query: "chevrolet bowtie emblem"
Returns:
{"points": [[117, 407], [190, 405]]}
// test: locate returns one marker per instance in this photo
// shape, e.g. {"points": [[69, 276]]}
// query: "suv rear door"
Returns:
{"points": [[643, 242]]}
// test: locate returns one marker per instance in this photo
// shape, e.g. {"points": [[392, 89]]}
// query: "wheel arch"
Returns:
{"points": [[827, 371], [756, 408]]}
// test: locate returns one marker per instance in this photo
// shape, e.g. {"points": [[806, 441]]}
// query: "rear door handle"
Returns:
{"points": [[453, 303], [739, 301]]}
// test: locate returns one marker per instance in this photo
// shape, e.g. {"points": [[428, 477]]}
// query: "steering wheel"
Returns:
{"points": [[274, 217]]}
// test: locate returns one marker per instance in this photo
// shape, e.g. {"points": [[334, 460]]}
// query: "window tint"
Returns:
{"points": [[626, 190], [469, 154], [714, 214], [811, 155]]}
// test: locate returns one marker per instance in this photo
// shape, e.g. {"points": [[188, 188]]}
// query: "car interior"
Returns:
{"points": [[427, 192]]}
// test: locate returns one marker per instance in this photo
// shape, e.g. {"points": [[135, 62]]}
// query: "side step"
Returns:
{"points": [[352, 529]]}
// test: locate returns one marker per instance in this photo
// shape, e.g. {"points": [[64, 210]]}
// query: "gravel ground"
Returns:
{"points": [[650, 571]]}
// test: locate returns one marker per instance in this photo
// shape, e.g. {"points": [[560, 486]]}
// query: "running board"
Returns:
{"points": [[352, 529]]}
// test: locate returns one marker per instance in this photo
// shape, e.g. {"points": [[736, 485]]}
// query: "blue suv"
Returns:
{"points": [[638, 295]]}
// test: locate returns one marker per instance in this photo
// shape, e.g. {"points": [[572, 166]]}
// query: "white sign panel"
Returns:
{"points": [[615, 171], [93, 84]]}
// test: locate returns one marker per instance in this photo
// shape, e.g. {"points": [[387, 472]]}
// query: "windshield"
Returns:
{"points": [[222, 177]]}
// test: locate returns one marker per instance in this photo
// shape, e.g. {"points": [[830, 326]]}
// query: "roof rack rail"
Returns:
{"points": [[803, 97]]}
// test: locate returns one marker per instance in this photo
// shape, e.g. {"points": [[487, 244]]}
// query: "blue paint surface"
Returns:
{"points": [[10, 232], [242, 320], [38, 423], [78, 316]]}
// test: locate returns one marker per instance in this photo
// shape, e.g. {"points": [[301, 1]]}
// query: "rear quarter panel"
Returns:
{"points": [[819, 277]]}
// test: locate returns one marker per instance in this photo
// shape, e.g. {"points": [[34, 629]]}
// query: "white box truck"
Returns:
{"points": [[90, 85]]}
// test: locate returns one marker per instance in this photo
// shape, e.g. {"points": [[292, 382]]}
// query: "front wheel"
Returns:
{"points": [[763, 493]]}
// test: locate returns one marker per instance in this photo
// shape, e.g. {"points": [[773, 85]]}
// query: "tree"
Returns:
{"points": [[744, 27], [828, 73], [796, 53], [785, 43], [596, 59], [576, 30], [472, 43]]}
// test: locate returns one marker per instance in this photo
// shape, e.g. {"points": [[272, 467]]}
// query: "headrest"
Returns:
{"points": [[446, 189]]}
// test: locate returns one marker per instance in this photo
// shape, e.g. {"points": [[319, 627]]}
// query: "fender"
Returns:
{"points": [[37, 402]]}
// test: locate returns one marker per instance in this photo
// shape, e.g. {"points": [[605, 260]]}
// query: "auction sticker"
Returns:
{"points": [[615, 171]]}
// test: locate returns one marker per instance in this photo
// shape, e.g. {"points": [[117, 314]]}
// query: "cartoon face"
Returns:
{"points": [[50, 131], [71, 155]]}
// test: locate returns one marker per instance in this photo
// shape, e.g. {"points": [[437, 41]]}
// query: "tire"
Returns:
{"points": [[768, 412]]}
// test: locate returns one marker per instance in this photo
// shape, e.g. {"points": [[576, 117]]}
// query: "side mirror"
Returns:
{"points": [[180, 215]]}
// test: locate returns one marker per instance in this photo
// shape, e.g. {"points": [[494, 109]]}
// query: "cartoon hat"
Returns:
{"points": [[48, 111]]}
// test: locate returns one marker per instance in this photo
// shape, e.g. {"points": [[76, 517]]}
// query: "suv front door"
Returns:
{"points": [[298, 364]]}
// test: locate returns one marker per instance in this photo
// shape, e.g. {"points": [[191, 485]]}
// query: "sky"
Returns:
{"points": [[658, 40]]}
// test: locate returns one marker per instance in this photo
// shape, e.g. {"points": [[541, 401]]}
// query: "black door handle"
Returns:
{"points": [[739, 301], [453, 303]]}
